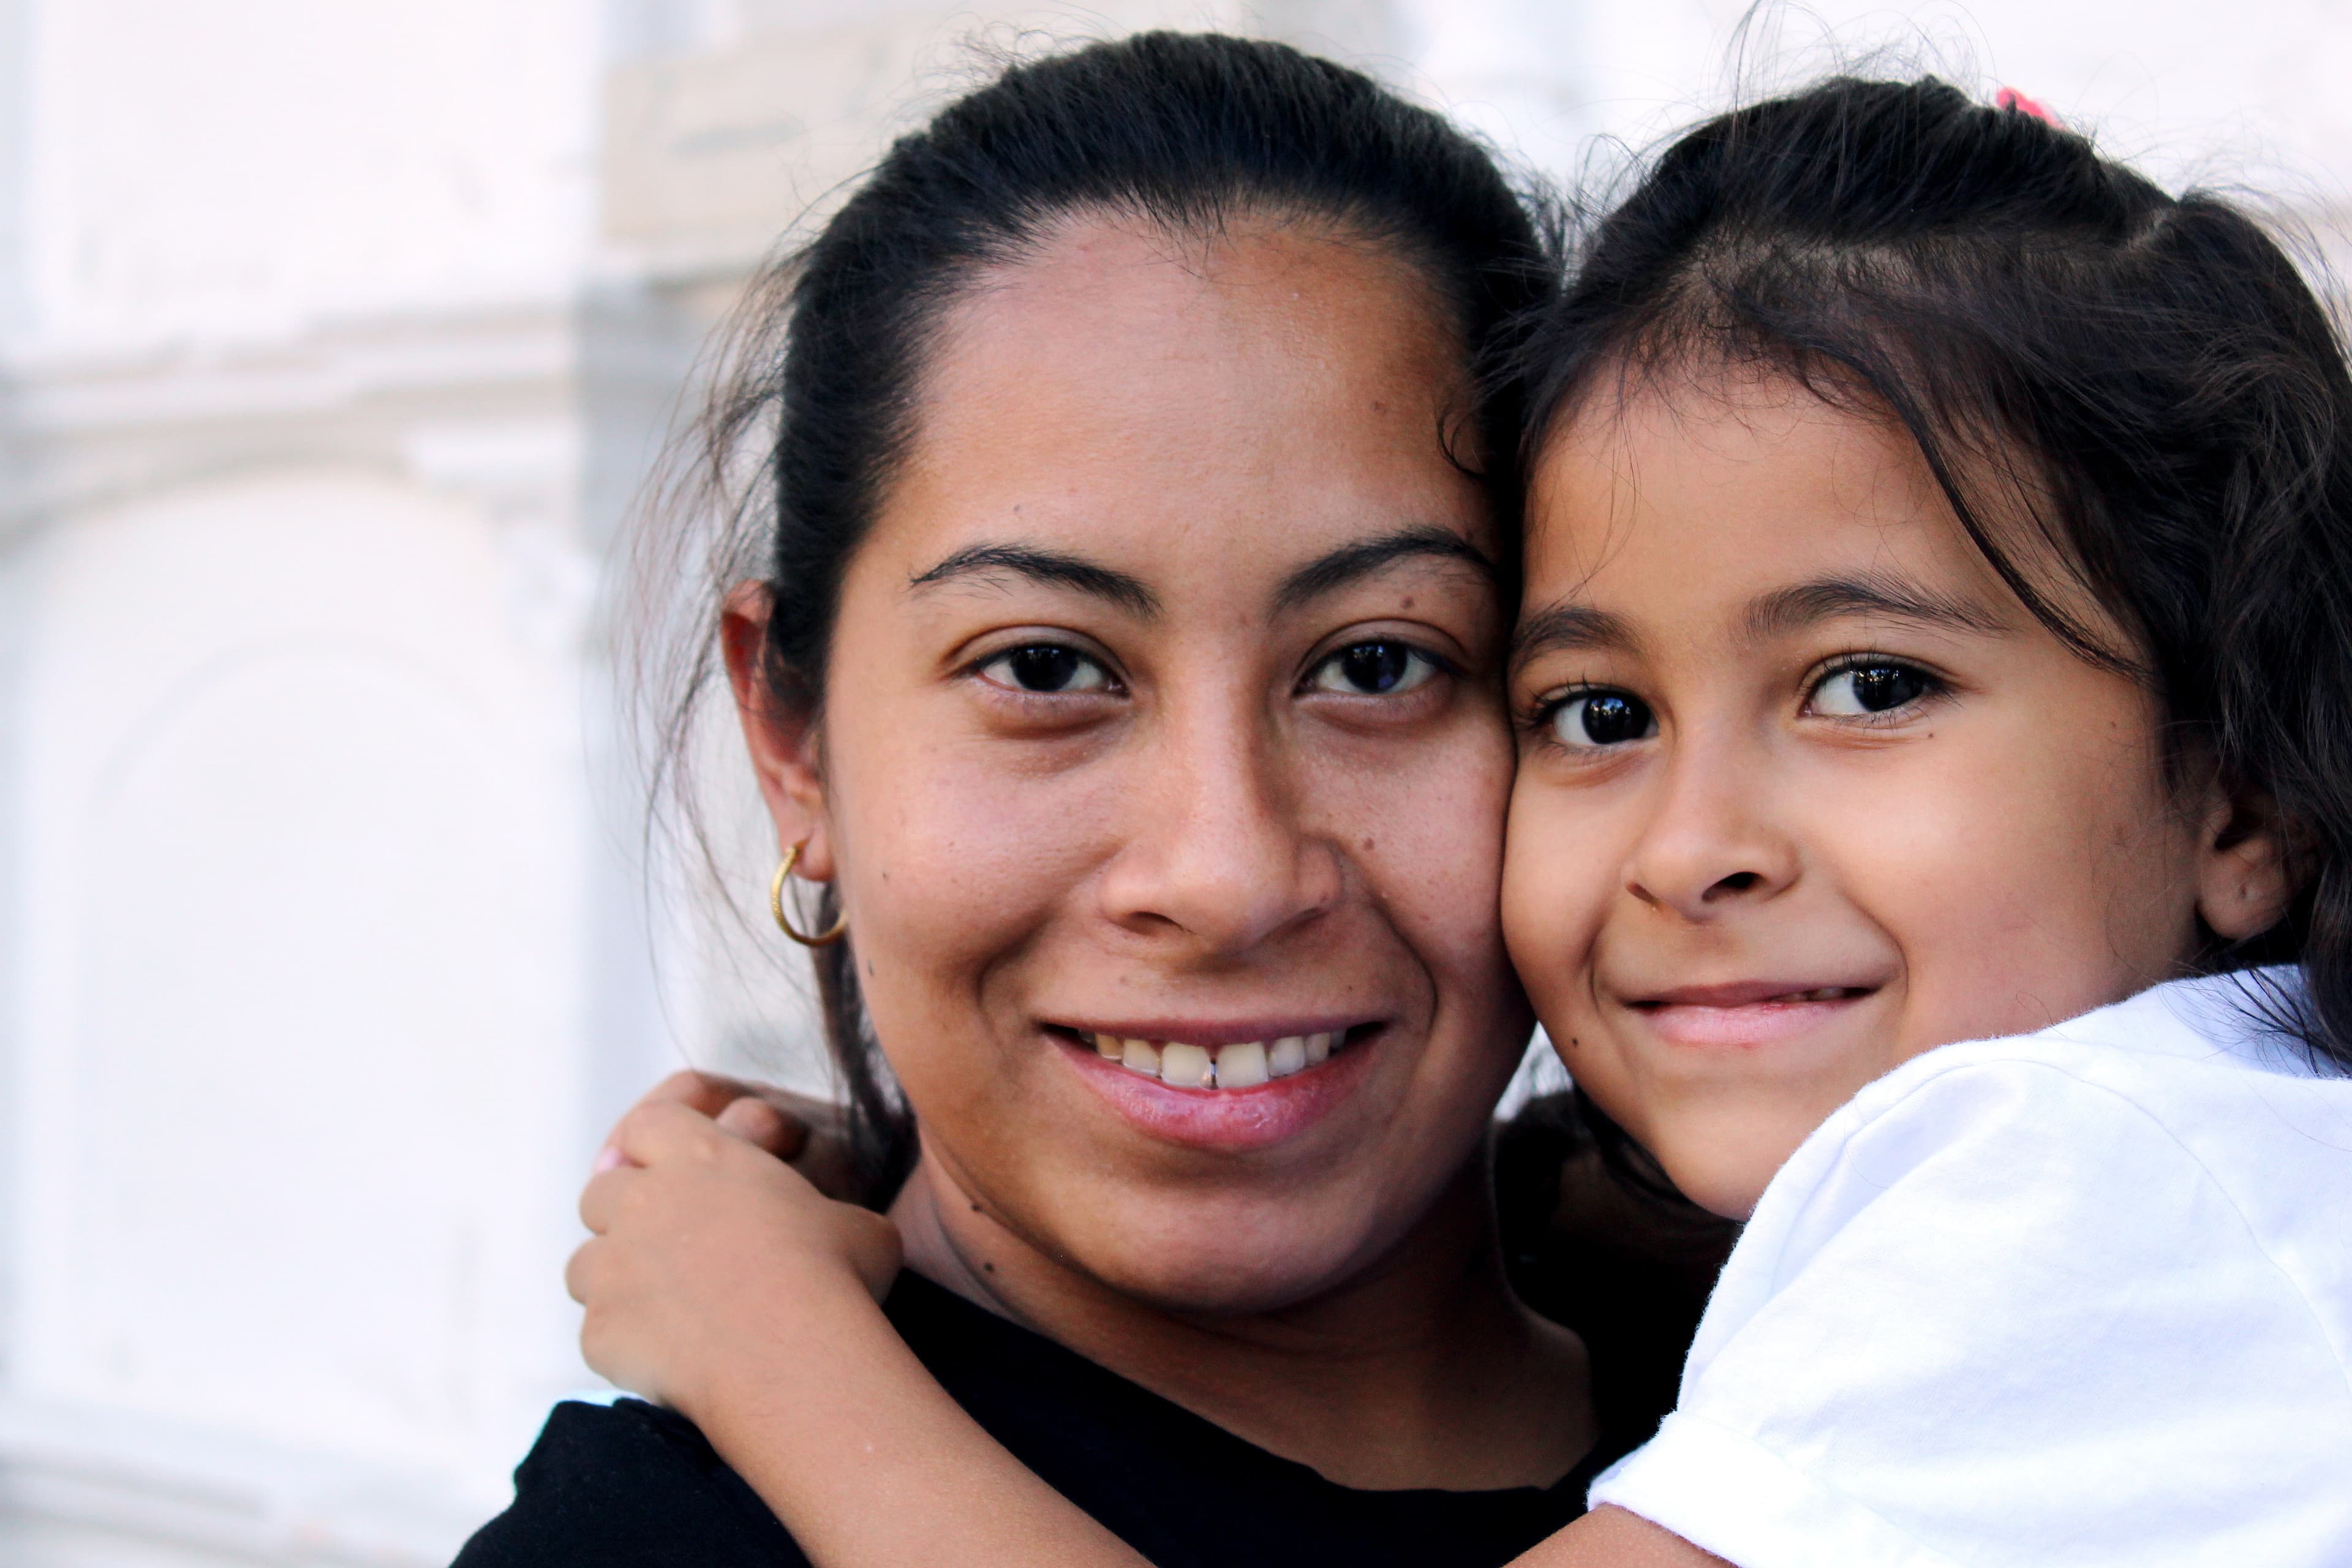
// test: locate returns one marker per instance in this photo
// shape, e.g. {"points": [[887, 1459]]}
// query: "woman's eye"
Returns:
{"points": [[1046, 667], [1603, 718], [1861, 690], [1373, 669]]}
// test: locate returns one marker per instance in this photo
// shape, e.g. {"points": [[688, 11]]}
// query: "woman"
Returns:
{"points": [[1127, 666]]}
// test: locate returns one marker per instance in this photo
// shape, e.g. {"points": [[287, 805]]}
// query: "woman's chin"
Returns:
{"points": [[1226, 1258]]}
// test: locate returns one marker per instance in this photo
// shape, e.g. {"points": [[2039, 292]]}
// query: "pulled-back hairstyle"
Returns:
{"points": [[1184, 132], [2145, 380]]}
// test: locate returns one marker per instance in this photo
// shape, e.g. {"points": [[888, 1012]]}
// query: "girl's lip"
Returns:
{"points": [[1747, 993], [1222, 1120], [1755, 1014]]}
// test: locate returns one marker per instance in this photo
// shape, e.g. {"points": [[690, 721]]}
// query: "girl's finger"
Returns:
{"points": [[758, 1122], [600, 1200], [707, 1092], [659, 1130]]}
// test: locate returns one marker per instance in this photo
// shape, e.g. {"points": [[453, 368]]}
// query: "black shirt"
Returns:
{"points": [[630, 1484]]}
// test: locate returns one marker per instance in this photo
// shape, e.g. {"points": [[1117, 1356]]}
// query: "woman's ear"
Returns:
{"points": [[2244, 884], [781, 738]]}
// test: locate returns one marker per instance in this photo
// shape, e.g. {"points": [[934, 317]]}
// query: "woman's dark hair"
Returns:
{"points": [[1184, 132], [2142, 382]]}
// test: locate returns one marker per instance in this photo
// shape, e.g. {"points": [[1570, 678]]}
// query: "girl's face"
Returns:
{"points": [[1164, 727], [1804, 790]]}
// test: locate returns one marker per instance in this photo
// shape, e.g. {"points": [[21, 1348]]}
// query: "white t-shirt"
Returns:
{"points": [[2079, 1297]]}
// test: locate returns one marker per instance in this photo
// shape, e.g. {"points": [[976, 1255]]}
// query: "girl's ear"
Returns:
{"points": [[2244, 887], [783, 740]]}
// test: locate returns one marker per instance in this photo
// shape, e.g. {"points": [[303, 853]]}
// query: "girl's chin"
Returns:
{"points": [[1723, 1163]]}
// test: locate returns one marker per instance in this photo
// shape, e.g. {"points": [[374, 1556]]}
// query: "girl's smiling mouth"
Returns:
{"points": [[1747, 1012]]}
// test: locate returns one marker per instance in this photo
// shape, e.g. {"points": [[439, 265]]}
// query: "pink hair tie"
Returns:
{"points": [[2010, 97]]}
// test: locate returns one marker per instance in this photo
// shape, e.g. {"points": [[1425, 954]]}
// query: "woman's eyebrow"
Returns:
{"points": [[1053, 568], [1787, 610], [1337, 568]]}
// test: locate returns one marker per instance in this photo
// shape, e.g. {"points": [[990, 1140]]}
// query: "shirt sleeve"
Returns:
{"points": [[629, 1484], [2007, 1318]]}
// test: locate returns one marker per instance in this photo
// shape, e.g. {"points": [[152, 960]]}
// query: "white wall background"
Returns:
{"points": [[333, 339]]}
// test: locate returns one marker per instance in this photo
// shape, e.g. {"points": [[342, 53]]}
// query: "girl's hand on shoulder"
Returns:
{"points": [[707, 1250], [810, 1135]]}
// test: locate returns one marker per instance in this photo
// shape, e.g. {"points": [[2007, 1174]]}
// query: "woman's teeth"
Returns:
{"points": [[1243, 1066]]}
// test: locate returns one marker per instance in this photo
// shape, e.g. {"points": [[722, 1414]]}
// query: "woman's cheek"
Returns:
{"points": [[956, 870]]}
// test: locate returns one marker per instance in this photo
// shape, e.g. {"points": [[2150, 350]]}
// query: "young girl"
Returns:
{"points": [[1935, 630]]}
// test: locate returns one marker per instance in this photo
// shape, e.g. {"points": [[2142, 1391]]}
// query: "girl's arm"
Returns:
{"points": [[720, 1283]]}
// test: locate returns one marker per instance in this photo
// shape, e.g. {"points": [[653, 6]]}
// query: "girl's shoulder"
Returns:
{"points": [[2170, 1131], [2197, 1084], [2080, 1296], [2165, 1050]]}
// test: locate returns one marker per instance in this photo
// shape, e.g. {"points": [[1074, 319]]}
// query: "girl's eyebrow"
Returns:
{"points": [[1786, 610], [1568, 626], [1564, 624]]}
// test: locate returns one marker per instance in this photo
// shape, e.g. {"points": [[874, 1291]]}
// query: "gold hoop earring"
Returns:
{"points": [[776, 904]]}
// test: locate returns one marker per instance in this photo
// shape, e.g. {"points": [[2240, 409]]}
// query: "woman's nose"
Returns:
{"points": [[1217, 851], [1711, 846]]}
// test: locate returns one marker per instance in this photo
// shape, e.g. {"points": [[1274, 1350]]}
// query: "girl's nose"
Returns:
{"points": [[1711, 846], [1216, 852]]}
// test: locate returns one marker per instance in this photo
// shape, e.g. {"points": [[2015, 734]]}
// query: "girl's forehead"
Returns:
{"points": [[1725, 479], [1702, 509]]}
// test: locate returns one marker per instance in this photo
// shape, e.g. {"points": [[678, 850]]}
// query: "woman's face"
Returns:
{"points": [[1163, 745], [1806, 790]]}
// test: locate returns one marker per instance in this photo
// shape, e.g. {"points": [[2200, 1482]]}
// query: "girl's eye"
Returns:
{"points": [[1860, 689], [1603, 718], [1373, 669], [1046, 667]]}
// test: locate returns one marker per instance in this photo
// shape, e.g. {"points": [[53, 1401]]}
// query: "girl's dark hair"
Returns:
{"points": [[2144, 380], [1184, 132]]}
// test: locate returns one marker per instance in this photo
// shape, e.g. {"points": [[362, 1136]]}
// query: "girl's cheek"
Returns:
{"points": [[1554, 895]]}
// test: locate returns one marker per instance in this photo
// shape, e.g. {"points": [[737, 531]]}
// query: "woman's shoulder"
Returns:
{"points": [[628, 1483]]}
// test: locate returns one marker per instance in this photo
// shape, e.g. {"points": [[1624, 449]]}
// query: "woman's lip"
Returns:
{"points": [[1220, 1032], [1226, 1121], [1749, 1016]]}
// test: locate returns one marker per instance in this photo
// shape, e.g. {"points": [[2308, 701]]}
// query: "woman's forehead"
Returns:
{"points": [[1152, 419], [1114, 329]]}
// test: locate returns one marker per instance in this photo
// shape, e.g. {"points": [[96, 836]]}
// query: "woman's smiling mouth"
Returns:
{"points": [[1240, 1064], [1219, 1092]]}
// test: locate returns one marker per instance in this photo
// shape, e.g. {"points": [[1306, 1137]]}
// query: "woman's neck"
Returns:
{"points": [[1420, 1371]]}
